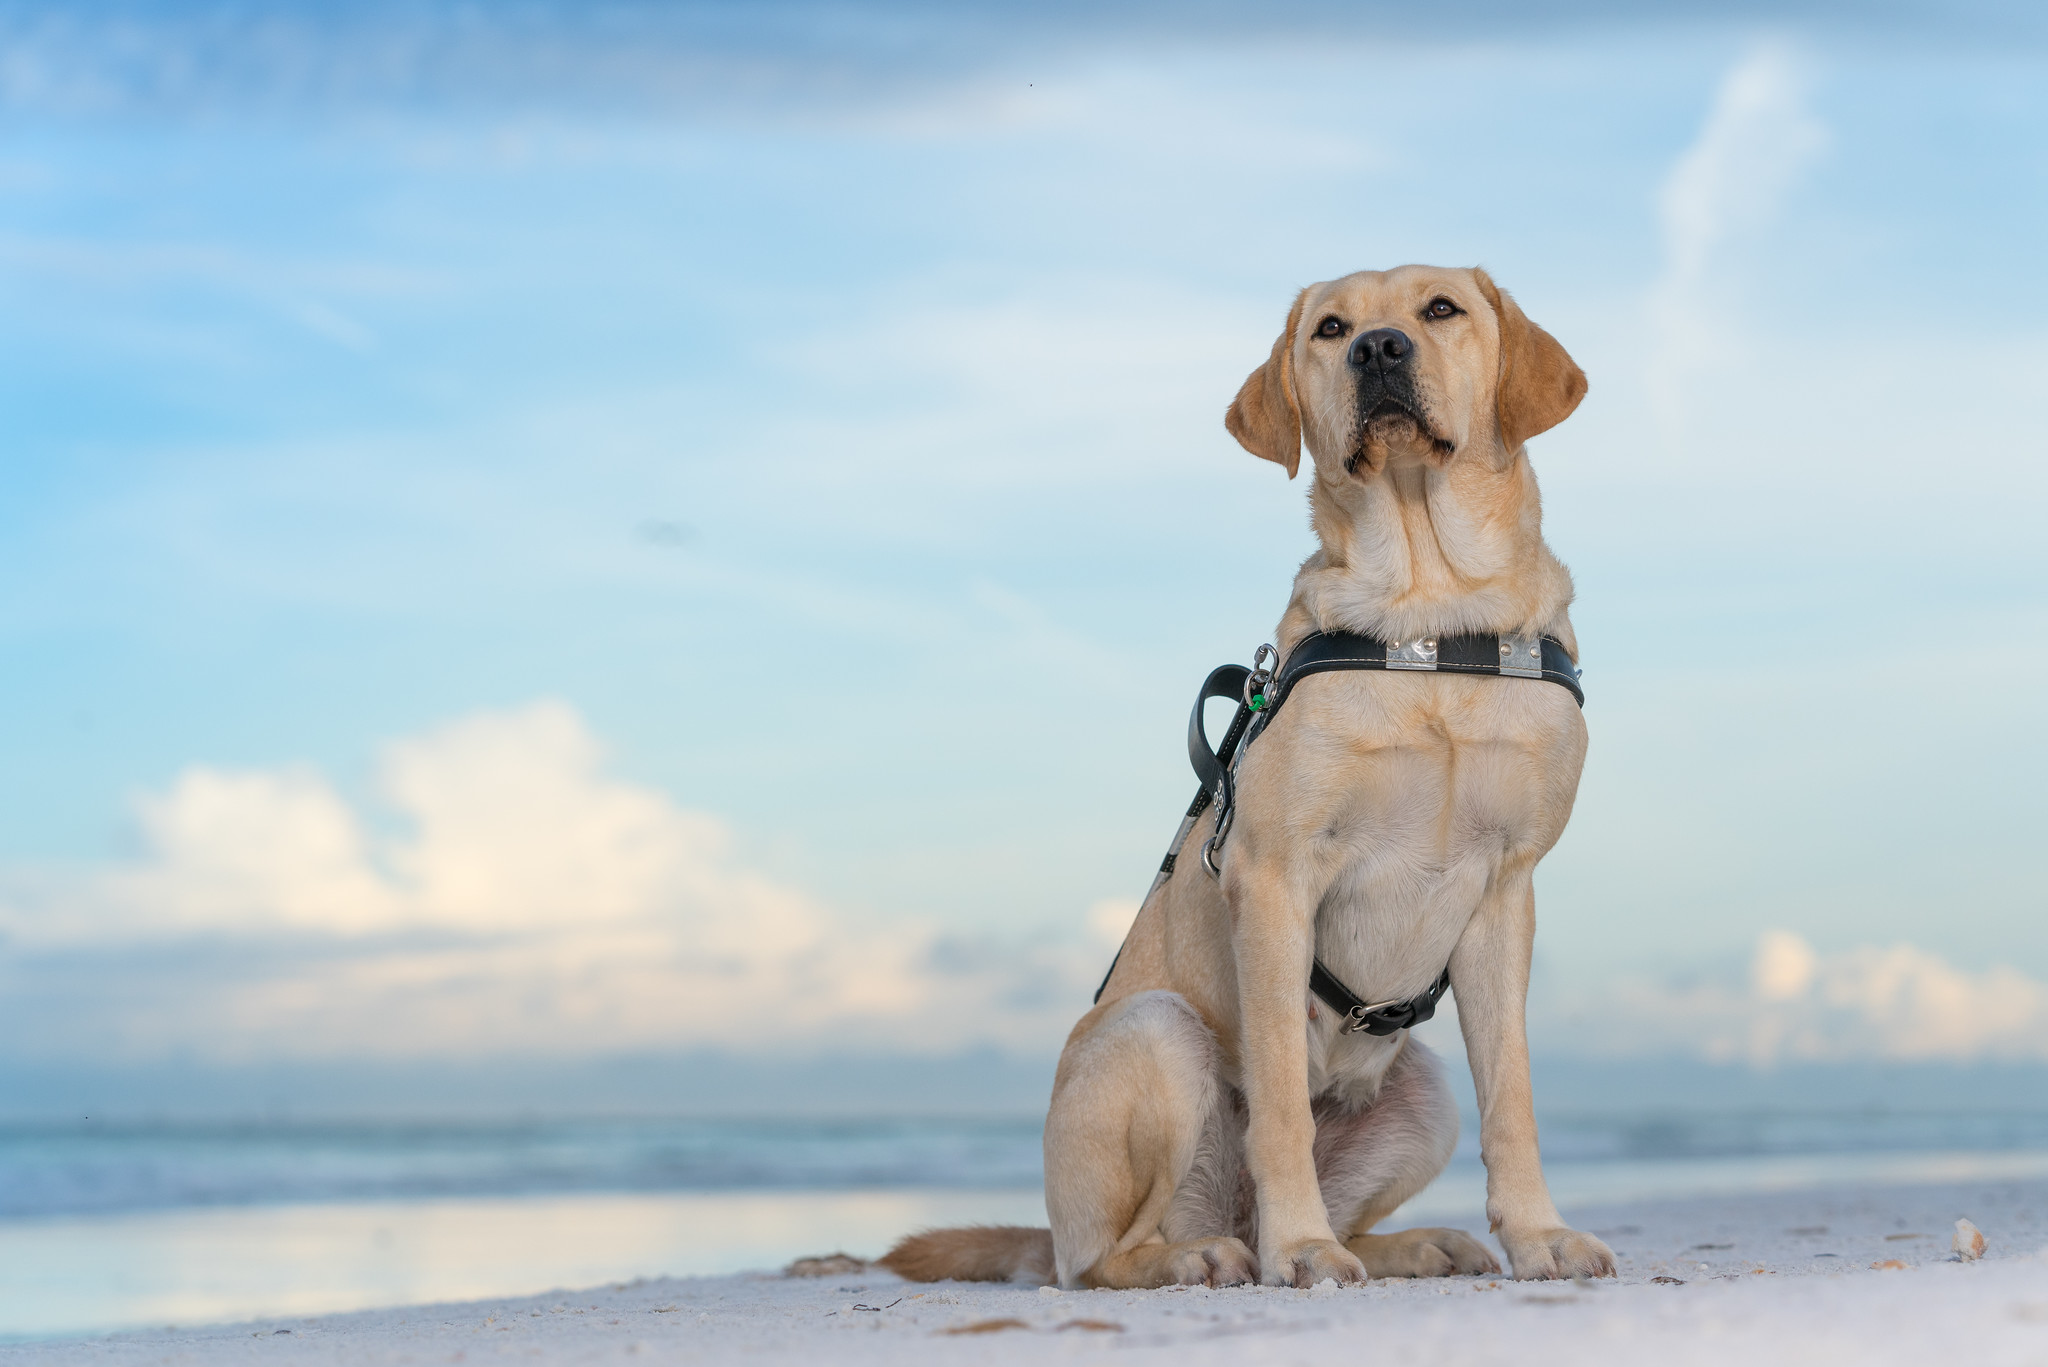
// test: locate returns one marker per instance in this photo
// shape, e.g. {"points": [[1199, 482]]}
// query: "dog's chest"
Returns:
{"points": [[1422, 770], [1414, 794]]}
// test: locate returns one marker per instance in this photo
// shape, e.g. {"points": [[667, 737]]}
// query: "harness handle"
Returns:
{"points": [[1212, 767]]}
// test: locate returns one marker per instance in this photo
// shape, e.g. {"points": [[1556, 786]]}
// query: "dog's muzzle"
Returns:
{"points": [[1385, 385]]}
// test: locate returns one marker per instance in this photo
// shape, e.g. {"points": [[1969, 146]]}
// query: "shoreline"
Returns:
{"points": [[103, 1272], [1770, 1277]]}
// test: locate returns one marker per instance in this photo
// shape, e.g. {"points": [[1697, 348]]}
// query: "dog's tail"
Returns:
{"points": [[978, 1253]]}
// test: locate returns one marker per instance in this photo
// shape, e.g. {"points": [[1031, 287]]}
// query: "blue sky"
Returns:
{"points": [[504, 505]]}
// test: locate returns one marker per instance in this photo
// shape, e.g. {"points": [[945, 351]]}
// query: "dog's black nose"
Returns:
{"points": [[1381, 349]]}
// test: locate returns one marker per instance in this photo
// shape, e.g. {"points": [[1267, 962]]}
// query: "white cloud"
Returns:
{"points": [[1783, 968], [1899, 1002], [1756, 140], [1728, 185], [536, 904], [531, 903], [251, 851], [1110, 919]]}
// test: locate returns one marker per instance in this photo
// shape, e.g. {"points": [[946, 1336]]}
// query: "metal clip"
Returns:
{"points": [[1263, 659]]}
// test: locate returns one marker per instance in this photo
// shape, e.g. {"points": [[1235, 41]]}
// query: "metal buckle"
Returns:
{"points": [[1357, 1014]]}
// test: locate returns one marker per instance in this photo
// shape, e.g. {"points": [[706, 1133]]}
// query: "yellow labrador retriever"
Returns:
{"points": [[1390, 823]]}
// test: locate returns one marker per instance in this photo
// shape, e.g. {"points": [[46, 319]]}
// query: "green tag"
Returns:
{"points": [[1258, 702]]}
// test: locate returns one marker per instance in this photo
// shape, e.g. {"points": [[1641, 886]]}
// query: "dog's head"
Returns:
{"points": [[1416, 364]]}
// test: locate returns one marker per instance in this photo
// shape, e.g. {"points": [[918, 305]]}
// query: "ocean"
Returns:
{"points": [[105, 1226]]}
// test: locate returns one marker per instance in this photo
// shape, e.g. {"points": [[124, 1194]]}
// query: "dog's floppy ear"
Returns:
{"points": [[1540, 384], [1264, 417]]}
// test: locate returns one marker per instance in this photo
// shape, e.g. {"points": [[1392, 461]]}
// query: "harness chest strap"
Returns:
{"points": [[1383, 1018], [1260, 695]]}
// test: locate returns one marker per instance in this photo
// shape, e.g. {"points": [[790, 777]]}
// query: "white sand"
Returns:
{"points": [[1759, 1286]]}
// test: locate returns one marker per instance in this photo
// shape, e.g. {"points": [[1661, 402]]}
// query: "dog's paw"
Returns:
{"points": [[1305, 1262], [1422, 1253], [1213, 1262], [1544, 1253]]}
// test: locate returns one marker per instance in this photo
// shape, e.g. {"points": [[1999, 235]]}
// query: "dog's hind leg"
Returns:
{"points": [[1135, 1095], [1370, 1159]]}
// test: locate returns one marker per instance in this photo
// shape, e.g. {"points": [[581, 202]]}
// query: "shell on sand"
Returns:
{"points": [[830, 1265], [1969, 1241]]}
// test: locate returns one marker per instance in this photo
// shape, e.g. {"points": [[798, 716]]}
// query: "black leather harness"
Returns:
{"points": [[1261, 692]]}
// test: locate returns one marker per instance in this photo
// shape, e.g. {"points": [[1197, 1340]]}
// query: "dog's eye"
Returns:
{"points": [[1441, 307], [1332, 326]]}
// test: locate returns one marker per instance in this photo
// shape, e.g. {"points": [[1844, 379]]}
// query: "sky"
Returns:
{"points": [[567, 531]]}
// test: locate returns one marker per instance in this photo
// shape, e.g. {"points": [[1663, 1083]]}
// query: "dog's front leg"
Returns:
{"points": [[1490, 977], [1273, 939]]}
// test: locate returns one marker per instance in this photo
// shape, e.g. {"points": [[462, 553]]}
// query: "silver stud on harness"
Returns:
{"points": [[1420, 654], [1521, 657]]}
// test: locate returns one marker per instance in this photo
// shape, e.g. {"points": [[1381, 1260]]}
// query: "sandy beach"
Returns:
{"points": [[1837, 1275]]}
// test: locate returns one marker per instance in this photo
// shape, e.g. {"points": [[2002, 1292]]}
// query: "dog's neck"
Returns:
{"points": [[1414, 546]]}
